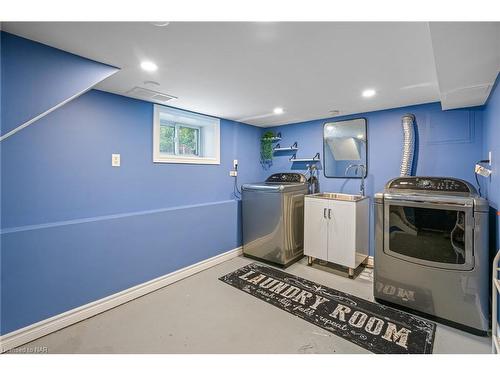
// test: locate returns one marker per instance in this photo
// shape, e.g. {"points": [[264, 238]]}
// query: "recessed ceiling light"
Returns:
{"points": [[149, 66], [278, 111], [368, 93]]}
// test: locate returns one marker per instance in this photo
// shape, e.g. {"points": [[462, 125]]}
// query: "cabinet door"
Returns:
{"points": [[341, 229], [316, 228]]}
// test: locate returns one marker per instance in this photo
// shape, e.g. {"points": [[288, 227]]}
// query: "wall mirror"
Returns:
{"points": [[345, 149]]}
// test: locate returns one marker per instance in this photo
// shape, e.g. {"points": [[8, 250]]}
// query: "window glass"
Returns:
{"points": [[189, 140], [436, 235], [167, 139]]}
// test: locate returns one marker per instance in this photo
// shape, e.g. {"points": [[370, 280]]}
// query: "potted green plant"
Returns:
{"points": [[266, 146]]}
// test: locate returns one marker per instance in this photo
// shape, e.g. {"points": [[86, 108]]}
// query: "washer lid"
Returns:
{"points": [[274, 187], [280, 182]]}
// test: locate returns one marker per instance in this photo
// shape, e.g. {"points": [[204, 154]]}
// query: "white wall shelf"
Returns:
{"points": [[274, 139], [316, 158], [277, 138], [293, 147]]}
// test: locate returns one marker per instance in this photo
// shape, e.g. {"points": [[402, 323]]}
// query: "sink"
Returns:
{"points": [[338, 196]]}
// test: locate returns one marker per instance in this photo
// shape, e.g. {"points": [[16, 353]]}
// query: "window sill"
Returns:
{"points": [[186, 160]]}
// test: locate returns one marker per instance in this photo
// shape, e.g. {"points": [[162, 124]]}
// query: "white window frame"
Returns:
{"points": [[199, 122]]}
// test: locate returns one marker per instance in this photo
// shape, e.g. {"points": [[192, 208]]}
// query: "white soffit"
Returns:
{"points": [[467, 59]]}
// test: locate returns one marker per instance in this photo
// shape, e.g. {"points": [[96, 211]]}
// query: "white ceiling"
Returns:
{"points": [[241, 71], [467, 58]]}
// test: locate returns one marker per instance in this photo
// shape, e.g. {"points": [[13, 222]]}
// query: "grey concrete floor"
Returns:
{"points": [[201, 314]]}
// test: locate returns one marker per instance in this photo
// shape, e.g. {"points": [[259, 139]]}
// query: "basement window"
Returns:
{"points": [[185, 137]]}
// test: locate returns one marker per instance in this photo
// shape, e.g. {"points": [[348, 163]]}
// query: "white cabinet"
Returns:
{"points": [[336, 228], [316, 216]]}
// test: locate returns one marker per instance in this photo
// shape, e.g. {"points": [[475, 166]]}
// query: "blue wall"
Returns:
{"points": [[491, 120], [61, 167], [36, 77], [449, 144], [75, 229]]}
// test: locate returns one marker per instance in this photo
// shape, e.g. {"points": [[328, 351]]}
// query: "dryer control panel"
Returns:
{"points": [[436, 184]]}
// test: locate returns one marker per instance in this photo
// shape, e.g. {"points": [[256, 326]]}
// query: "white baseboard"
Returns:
{"points": [[368, 262], [34, 331]]}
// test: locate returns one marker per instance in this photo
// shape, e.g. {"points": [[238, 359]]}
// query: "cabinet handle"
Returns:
{"points": [[329, 213], [324, 213]]}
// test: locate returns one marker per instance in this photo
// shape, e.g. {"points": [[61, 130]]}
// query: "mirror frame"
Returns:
{"points": [[323, 140]]}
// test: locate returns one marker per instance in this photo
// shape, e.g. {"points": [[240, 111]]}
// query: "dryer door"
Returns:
{"points": [[435, 234]]}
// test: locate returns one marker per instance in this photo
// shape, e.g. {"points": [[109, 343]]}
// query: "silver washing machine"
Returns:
{"points": [[273, 218], [431, 250]]}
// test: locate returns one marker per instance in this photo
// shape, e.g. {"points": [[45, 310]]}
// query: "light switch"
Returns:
{"points": [[115, 160]]}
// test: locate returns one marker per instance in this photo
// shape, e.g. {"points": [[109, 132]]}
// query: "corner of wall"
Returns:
{"points": [[39, 79]]}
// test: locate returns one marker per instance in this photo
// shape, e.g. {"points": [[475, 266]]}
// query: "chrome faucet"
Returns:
{"points": [[363, 170]]}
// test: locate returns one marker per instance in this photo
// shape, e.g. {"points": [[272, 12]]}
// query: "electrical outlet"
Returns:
{"points": [[233, 173], [235, 164], [489, 158], [480, 170], [115, 160]]}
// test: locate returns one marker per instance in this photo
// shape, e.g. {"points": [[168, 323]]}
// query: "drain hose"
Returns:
{"points": [[407, 122]]}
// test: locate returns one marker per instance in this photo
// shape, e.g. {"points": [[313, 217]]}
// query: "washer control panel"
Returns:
{"points": [[444, 184], [286, 178]]}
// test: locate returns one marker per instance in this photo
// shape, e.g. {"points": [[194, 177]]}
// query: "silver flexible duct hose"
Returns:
{"points": [[408, 121]]}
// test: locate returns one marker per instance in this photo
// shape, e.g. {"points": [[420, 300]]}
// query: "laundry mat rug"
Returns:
{"points": [[372, 326]]}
